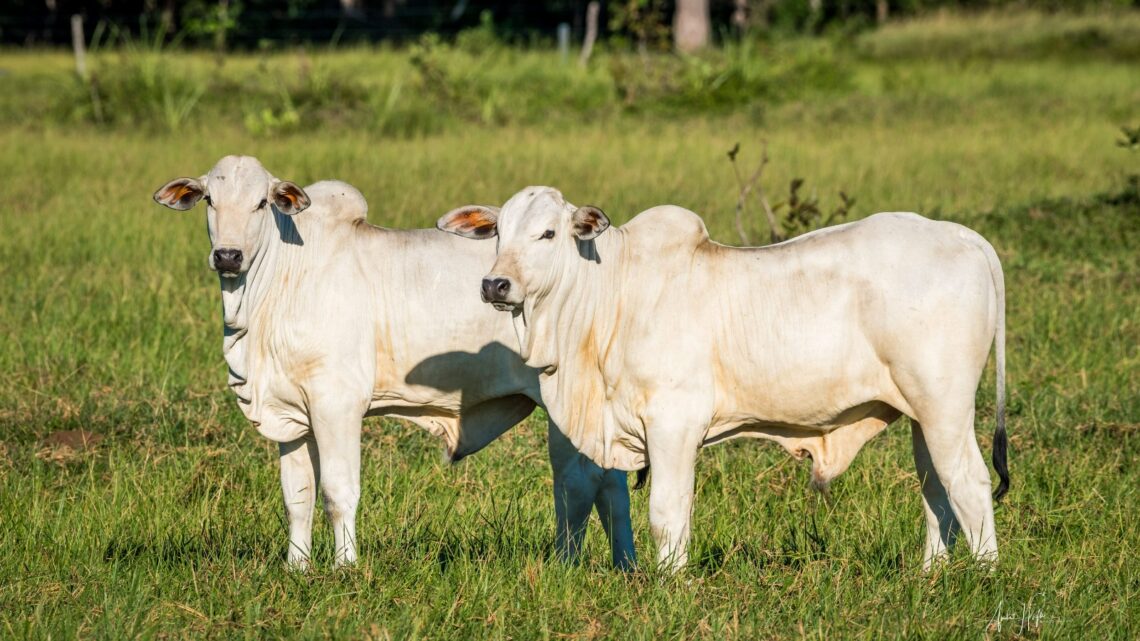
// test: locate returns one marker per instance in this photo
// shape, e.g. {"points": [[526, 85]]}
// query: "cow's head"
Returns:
{"points": [[240, 198], [537, 232]]}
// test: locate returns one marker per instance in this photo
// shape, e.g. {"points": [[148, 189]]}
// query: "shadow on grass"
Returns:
{"points": [[190, 549], [1100, 230]]}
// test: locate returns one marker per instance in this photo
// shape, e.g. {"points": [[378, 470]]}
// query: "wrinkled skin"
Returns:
{"points": [[654, 341], [328, 319]]}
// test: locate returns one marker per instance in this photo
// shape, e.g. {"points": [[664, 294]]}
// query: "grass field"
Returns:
{"points": [[171, 524]]}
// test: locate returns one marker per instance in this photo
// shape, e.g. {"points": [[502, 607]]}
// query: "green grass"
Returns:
{"points": [[1019, 34], [172, 524]]}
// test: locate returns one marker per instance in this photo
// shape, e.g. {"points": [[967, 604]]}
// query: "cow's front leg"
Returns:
{"points": [[612, 502], [673, 454], [575, 486], [337, 432], [299, 476]]}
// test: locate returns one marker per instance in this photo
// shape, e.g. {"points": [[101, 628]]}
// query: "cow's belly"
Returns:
{"points": [[816, 393], [823, 413]]}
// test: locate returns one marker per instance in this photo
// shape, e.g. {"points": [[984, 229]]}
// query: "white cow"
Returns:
{"points": [[329, 319], [654, 341]]}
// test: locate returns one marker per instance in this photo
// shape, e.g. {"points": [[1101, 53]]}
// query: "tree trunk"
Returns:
{"points": [[223, 26], [691, 25], [882, 11]]}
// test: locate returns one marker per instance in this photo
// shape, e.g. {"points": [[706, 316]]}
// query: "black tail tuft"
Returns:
{"points": [[1001, 443], [642, 476]]}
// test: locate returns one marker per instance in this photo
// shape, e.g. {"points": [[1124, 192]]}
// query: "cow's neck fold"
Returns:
{"points": [[242, 296], [551, 325], [570, 332]]}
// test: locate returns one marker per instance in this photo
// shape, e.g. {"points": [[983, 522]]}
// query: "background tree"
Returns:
{"points": [[691, 25], [644, 21]]}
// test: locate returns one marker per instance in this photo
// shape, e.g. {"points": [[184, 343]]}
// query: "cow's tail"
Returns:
{"points": [[1001, 442]]}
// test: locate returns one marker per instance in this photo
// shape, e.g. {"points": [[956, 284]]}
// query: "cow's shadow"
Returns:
{"points": [[471, 372], [497, 391], [287, 229]]}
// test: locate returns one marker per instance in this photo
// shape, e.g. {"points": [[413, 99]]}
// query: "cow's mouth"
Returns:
{"points": [[504, 306], [229, 274]]}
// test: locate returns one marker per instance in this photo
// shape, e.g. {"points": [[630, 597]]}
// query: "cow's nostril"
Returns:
{"points": [[227, 259], [495, 289]]}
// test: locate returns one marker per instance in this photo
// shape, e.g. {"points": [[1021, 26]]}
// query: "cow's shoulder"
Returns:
{"points": [[666, 227], [337, 201]]}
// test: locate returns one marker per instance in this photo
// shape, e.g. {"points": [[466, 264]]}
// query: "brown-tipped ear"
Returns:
{"points": [[180, 193], [289, 198], [470, 221], [589, 222]]}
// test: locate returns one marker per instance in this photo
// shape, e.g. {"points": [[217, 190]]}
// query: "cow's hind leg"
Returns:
{"points": [[579, 485], [941, 526], [964, 477], [575, 486], [338, 439], [299, 477]]}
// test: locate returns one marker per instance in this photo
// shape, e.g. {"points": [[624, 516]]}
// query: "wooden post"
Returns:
{"points": [[78, 45], [592, 11]]}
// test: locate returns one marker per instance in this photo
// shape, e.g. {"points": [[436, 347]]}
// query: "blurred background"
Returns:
{"points": [[262, 23]]}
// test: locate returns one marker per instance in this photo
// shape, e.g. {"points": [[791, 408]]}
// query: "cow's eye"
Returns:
{"points": [[209, 201], [548, 234], [264, 201]]}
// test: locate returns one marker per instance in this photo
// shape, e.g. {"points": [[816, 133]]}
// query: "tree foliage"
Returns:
{"points": [[642, 23]]}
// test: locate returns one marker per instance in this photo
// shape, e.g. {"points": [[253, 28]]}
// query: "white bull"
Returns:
{"points": [[328, 319], [654, 341]]}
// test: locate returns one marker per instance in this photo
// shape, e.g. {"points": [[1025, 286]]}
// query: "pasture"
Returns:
{"points": [[169, 522]]}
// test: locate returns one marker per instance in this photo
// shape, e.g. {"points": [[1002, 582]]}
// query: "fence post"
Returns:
{"points": [[563, 41], [592, 10], [78, 46]]}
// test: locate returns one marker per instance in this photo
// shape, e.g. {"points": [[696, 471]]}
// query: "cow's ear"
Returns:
{"points": [[589, 222], [180, 193], [289, 198], [470, 221]]}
